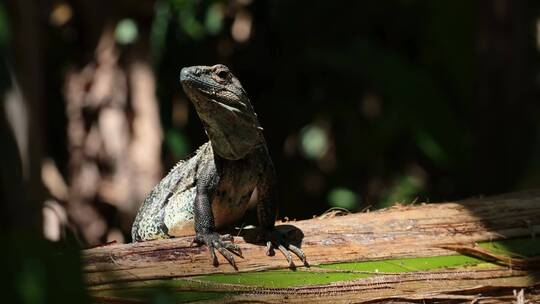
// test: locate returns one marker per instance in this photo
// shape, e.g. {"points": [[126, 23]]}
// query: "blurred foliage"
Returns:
{"points": [[177, 143], [404, 190], [36, 271], [4, 30], [126, 31], [349, 98], [188, 15], [313, 142], [343, 198], [391, 82]]}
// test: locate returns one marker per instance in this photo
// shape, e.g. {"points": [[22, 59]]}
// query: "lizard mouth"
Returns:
{"points": [[210, 92], [191, 83]]}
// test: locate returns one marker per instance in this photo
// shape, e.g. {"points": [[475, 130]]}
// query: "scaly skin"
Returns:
{"points": [[212, 189]]}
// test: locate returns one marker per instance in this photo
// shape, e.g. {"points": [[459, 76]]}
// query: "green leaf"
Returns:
{"points": [[281, 278], [408, 265]]}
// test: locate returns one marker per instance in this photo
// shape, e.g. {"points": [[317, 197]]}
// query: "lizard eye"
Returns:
{"points": [[222, 74]]}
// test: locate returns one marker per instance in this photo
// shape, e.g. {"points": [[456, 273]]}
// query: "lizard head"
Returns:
{"points": [[224, 108]]}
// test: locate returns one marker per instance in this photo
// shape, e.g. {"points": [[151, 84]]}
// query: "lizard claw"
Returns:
{"points": [[274, 239], [222, 243]]}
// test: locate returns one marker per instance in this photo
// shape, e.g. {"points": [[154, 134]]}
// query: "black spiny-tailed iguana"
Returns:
{"points": [[212, 189]]}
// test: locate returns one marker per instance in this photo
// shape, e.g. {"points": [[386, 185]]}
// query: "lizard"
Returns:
{"points": [[211, 189]]}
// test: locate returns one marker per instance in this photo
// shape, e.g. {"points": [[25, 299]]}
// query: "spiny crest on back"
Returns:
{"points": [[190, 156]]}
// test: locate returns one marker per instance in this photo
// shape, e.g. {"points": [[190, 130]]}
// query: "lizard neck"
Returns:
{"points": [[233, 141], [224, 109]]}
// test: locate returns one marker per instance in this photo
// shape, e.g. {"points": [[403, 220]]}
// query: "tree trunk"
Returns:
{"points": [[114, 132], [453, 252]]}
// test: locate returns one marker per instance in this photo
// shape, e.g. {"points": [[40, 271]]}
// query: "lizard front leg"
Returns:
{"points": [[266, 213], [205, 227]]}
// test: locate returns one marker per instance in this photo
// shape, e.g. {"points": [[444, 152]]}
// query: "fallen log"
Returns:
{"points": [[342, 249]]}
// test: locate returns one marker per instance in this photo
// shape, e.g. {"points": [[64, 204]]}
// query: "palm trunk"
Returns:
{"points": [[453, 252]]}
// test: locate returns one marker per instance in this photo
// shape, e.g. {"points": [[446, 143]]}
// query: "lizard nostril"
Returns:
{"points": [[183, 74]]}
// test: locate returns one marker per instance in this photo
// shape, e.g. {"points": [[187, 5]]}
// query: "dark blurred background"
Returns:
{"points": [[364, 103]]}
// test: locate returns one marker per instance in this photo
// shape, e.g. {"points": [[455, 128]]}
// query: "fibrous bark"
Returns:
{"points": [[401, 232]]}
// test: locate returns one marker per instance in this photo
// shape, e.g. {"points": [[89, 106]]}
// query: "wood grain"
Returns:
{"points": [[397, 232]]}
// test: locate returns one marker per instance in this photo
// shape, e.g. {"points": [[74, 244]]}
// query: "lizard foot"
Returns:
{"points": [[222, 243], [275, 239]]}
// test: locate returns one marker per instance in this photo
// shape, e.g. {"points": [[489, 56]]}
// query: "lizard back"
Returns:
{"points": [[171, 200]]}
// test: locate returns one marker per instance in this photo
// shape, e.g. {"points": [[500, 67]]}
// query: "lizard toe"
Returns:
{"points": [[276, 240], [223, 244]]}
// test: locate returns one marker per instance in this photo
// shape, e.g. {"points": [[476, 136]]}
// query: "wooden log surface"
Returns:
{"points": [[398, 232]]}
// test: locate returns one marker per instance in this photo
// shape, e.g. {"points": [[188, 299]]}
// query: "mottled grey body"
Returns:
{"points": [[170, 203], [211, 189], [168, 210]]}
